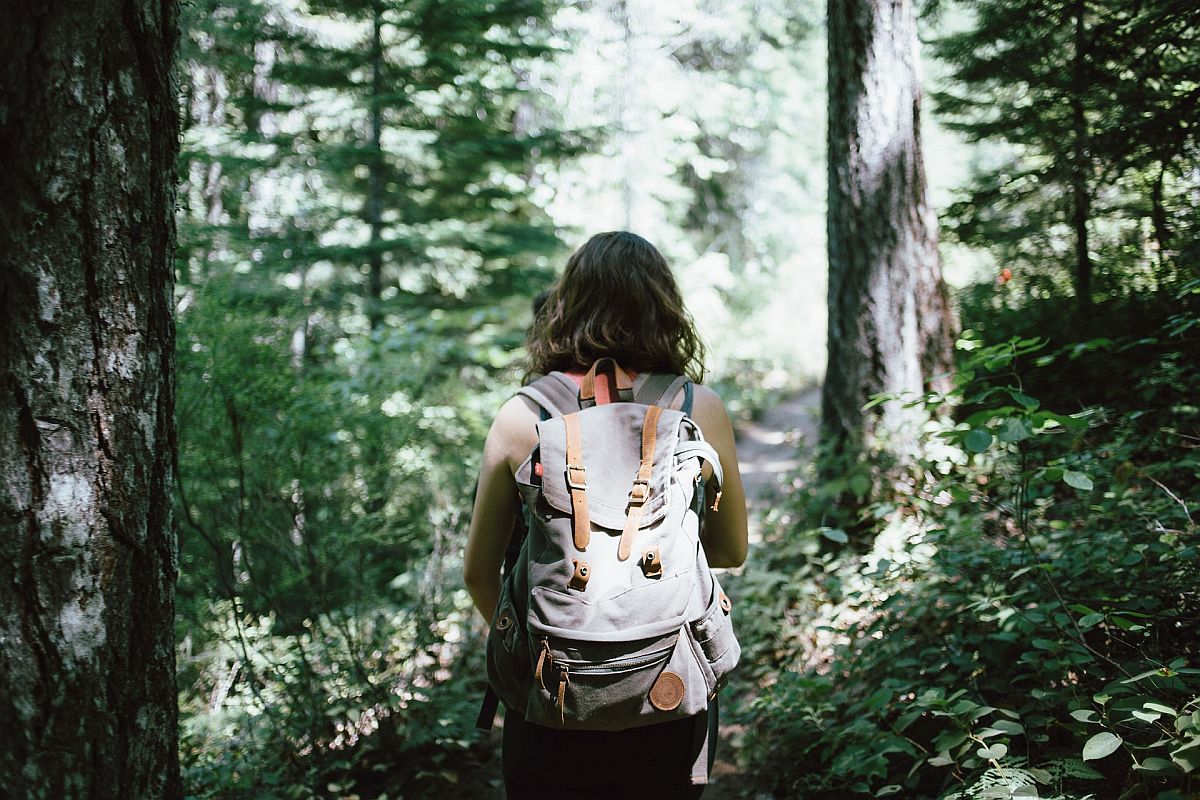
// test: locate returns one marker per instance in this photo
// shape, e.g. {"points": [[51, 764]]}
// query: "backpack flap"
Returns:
{"points": [[610, 439]]}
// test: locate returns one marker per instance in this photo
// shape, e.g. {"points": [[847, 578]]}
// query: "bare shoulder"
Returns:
{"points": [[513, 433], [708, 409]]}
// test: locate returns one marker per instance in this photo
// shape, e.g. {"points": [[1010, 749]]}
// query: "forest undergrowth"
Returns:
{"points": [[1025, 621]]}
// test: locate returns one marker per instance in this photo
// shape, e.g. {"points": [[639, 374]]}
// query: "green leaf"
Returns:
{"points": [[1101, 746], [1077, 480], [1024, 399], [978, 440], [1155, 765], [994, 753], [1085, 715], [1090, 620], [1188, 756], [1015, 429], [876, 399], [835, 535]]}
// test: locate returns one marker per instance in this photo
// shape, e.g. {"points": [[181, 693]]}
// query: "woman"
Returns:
{"points": [[617, 298]]}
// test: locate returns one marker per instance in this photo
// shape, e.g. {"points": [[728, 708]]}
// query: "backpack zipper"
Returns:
{"points": [[618, 665]]}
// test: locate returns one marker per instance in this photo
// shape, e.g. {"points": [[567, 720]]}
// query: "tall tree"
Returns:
{"points": [[1092, 93], [87, 441], [890, 322]]}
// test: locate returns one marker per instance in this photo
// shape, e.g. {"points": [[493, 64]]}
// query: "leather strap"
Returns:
{"points": [[544, 655], [577, 482], [564, 677], [704, 741], [640, 492], [617, 377]]}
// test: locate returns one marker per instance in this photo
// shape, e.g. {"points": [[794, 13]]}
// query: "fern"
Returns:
{"points": [[1015, 783], [1072, 768]]}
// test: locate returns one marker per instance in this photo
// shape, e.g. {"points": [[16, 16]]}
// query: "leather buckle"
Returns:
{"points": [[581, 484], [640, 492], [652, 563], [580, 577]]}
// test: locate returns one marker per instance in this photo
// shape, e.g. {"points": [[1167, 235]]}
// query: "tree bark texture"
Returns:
{"points": [[890, 327], [89, 133]]}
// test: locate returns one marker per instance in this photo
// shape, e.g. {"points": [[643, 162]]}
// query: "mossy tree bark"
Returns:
{"points": [[88, 118], [890, 327]]}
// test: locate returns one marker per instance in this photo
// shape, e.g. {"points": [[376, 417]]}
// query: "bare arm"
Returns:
{"points": [[511, 437], [724, 535]]}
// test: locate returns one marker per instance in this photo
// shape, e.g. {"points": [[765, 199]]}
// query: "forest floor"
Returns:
{"points": [[769, 448]]}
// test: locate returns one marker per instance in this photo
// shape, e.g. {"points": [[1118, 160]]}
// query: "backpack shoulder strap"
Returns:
{"points": [[660, 388], [555, 394]]}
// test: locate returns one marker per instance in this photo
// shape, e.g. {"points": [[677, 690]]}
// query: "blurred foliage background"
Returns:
{"points": [[372, 193]]}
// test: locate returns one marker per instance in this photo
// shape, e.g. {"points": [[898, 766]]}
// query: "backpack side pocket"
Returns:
{"points": [[716, 646], [507, 651]]}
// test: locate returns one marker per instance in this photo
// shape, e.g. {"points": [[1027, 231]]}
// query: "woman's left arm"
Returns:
{"points": [[495, 504]]}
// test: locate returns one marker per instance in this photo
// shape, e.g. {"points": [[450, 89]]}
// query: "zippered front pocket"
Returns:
{"points": [[616, 666], [590, 685]]}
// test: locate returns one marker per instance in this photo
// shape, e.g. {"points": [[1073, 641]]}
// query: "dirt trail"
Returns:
{"points": [[767, 449], [776, 445]]}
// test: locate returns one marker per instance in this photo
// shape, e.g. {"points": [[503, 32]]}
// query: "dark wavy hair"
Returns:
{"points": [[616, 298]]}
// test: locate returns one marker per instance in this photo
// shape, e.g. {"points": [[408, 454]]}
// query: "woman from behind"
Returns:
{"points": [[618, 299]]}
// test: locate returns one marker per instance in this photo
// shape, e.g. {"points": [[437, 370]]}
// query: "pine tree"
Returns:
{"points": [[1087, 92]]}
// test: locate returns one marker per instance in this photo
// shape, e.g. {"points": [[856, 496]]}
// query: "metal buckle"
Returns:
{"points": [[581, 484], [640, 491]]}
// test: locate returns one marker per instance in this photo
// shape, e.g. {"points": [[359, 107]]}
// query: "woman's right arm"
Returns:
{"points": [[513, 432], [725, 533]]}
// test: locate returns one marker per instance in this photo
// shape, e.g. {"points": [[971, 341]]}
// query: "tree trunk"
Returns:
{"points": [[88, 561], [890, 324], [375, 174], [1081, 165]]}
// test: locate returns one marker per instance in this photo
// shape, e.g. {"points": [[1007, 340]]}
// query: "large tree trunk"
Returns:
{"points": [[88, 121], [890, 323]]}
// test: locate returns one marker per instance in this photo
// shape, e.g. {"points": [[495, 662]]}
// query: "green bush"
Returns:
{"points": [[1027, 622]]}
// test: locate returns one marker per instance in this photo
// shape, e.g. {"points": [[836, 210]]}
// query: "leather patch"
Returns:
{"points": [[667, 692]]}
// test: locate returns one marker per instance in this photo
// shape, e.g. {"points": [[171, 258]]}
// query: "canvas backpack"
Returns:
{"points": [[609, 617]]}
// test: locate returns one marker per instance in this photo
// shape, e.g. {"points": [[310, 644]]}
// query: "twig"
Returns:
{"points": [[1174, 497]]}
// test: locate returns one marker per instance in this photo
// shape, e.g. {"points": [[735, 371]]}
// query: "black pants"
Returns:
{"points": [[651, 761]]}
